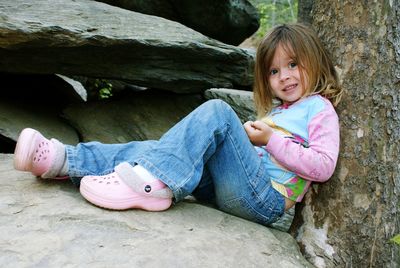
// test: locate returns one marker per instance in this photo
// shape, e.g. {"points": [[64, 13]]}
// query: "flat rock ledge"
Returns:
{"points": [[47, 223], [92, 39]]}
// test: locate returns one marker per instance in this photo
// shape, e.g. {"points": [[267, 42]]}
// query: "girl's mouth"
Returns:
{"points": [[289, 87]]}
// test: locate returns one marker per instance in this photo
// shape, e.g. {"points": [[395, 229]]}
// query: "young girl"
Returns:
{"points": [[254, 171]]}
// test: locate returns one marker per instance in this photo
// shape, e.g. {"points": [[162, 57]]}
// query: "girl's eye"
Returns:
{"points": [[292, 65], [273, 71]]}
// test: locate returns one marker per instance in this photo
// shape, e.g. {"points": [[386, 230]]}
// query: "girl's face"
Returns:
{"points": [[284, 77]]}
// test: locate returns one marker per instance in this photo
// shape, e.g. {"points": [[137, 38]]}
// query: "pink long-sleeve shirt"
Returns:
{"points": [[311, 152]]}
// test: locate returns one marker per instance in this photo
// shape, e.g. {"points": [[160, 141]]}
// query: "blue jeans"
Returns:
{"points": [[207, 154]]}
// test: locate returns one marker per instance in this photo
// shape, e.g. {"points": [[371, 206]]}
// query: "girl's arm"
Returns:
{"points": [[318, 161]]}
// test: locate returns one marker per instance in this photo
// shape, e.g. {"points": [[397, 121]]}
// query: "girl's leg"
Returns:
{"points": [[95, 158], [181, 154], [213, 136], [204, 192], [47, 158], [240, 192], [241, 198]]}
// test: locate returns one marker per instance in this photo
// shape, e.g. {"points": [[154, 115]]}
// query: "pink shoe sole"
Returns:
{"points": [[111, 192], [33, 152]]}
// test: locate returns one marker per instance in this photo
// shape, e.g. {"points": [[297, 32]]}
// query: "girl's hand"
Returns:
{"points": [[258, 132]]}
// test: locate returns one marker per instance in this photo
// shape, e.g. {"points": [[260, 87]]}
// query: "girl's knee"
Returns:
{"points": [[218, 106], [217, 102]]}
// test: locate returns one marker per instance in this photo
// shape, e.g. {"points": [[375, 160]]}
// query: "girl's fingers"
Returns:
{"points": [[248, 125], [258, 125]]}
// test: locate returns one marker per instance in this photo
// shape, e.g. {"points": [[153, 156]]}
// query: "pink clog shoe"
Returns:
{"points": [[36, 154], [33, 152], [111, 192]]}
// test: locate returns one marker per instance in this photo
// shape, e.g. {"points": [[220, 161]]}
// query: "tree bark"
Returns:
{"points": [[348, 221], [304, 11]]}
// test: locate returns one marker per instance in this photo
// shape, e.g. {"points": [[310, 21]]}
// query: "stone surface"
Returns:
{"points": [[47, 223], [75, 85], [240, 100], [134, 116], [93, 39], [229, 21], [17, 115]]}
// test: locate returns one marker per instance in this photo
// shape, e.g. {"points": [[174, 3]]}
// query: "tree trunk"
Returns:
{"points": [[352, 218], [304, 11]]}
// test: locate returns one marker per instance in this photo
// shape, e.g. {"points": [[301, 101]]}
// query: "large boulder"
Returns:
{"points": [[229, 21], [94, 39], [47, 223]]}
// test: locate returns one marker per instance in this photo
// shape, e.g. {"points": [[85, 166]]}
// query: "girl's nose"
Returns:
{"points": [[284, 75]]}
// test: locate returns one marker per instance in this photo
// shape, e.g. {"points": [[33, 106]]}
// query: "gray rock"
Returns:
{"points": [[285, 221], [75, 85], [134, 116], [229, 21], [47, 223], [94, 39], [17, 115], [240, 100]]}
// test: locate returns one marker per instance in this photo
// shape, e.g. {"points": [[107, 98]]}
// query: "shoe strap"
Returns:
{"points": [[154, 188], [58, 160]]}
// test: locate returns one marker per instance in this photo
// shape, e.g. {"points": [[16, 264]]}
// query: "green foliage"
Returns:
{"points": [[273, 12], [264, 18], [396, 239], [103, 88]]}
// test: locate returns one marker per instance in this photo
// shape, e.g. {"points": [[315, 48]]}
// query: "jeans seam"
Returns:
{"points": [[258, 178]]}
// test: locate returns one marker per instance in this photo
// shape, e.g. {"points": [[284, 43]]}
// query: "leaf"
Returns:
{"points": [[396, 239]]}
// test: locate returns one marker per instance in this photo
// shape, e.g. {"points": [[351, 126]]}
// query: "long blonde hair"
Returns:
{"points": [[303, 46]]}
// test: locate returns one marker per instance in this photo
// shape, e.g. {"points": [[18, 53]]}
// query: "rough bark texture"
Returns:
{"points": [[304, 11], [350, 221]]}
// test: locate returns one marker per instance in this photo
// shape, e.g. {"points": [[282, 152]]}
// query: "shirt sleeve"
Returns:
{"points": [[318, 161]]}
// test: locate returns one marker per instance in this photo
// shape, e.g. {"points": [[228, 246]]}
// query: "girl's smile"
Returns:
{"points": [[290, 88], [284, 77]]}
